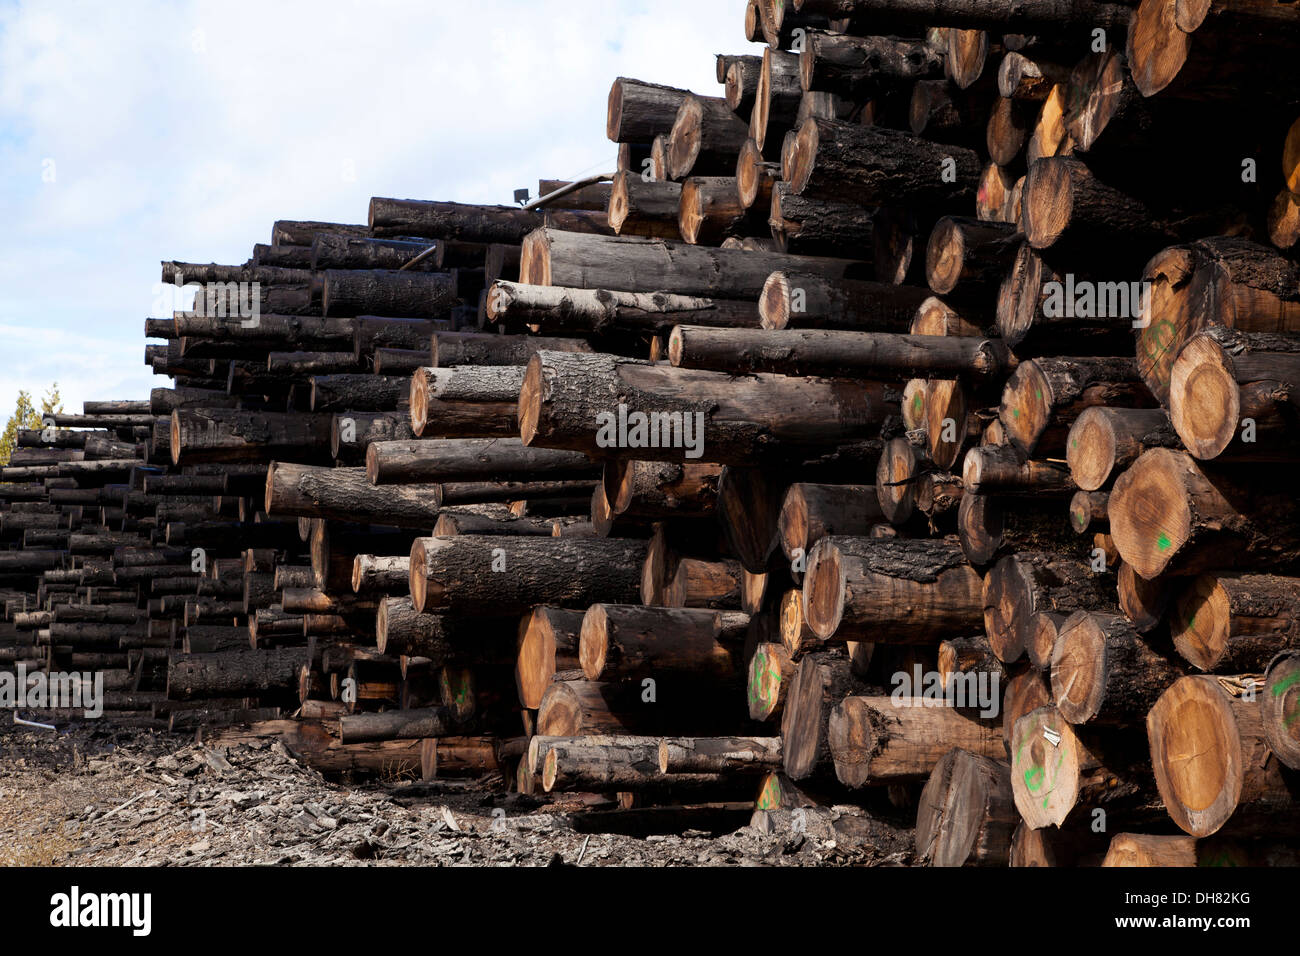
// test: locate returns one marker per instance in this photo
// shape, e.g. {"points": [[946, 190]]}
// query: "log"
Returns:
{"points": [[311, 743], [652, 489], [1169, 515], [756, 176], [999, 470], [352, 433], [580, 403], [943, 112], [482, 348], [1151, 850], [1279, 705], [1044, 396], [1028, 583], [1088, 508], [548, 643], [735, 755], [1142, 601], [345, 494], [1103, 672], [1225, 280], [378, 393], [336, 251], [622, 763], [599, 312], [1103, 441], [1235, 623], [387, 292], [791, 299], [402, 630], [1063, 202], [1203, 51], [860, 68], [1211, 758], [449, 220], [465, 401], [898, 591], [458, 756], [821, 680], [233, 673], [811, 511], [1054, 771], [777, 99], [988, 525], [818, 227], [705, 138], [230, 435], [376, 574], [296, 232], [572, 708], [966, 814], [877, 740], [836, 353], [637, 111], [966, 259], [645, 207], [872, 166], [457, 573], [395, 725], [471, 459], [555, 258], [1230, 395], [624, 642], [771, 672], [710, 211]]}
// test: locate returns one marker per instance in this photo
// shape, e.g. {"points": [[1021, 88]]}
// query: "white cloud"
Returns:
{"points": [[183, 130]]}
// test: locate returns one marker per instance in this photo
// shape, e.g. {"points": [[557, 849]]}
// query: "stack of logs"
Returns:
{"points": [[807, 472]]}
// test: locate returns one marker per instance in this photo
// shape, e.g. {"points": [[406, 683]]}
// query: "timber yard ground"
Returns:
{"points": [[90, 794]]}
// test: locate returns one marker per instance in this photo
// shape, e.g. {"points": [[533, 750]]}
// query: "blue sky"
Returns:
{"points": [[147, 130]]}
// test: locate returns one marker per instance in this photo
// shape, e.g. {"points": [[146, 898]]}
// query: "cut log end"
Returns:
{"points": [[1201, 622], [419, 582], [1204, 398], [1090, 450], [1281, 708], [774, 302], [823, 590], [1078, 664], [530, 400], [803, 156], [1157, 47], [1045, 764], [945, 256], [1026, 408], [1196, 754], [1150, 516], [1047, 201], [593, 646]]}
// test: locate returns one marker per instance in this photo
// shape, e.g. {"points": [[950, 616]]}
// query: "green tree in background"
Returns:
{"points": [[26, 415], [52, 403]]}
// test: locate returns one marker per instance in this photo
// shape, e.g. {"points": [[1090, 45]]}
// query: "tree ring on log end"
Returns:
{"points": [[1204, 400], [1150, 515], [824, 586], [1196, 754]]}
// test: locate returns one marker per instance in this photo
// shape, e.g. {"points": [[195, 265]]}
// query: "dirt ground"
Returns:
{"points": [[90, 794]]}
